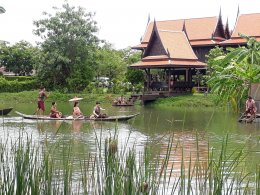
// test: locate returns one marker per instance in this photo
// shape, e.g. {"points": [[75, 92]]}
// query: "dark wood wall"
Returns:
{"points": [[201, 52]]}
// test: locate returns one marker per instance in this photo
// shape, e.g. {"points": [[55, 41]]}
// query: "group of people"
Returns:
{"points": [[121, 101], [55, 113]]}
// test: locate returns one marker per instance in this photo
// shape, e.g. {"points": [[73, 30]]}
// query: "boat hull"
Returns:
{"points": [[69, 118], [5, 111]]}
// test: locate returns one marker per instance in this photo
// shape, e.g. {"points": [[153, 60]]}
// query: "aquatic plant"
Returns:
{"points": [[29, 167]]}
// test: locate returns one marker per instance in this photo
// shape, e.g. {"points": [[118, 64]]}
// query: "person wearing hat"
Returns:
{"points": [[97, 112]]}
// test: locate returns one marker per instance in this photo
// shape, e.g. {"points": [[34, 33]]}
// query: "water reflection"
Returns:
{"points": [[185, 149]]}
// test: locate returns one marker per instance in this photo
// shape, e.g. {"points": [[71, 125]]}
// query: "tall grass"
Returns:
{"points": [[27, 168]]}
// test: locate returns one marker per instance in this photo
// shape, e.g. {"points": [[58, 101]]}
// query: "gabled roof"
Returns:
{"points": [[196, 29], [248, 24], [168, 49], [177, 44]]}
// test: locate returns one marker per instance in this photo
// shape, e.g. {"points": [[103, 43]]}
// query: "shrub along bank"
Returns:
{"points": [[195, 100], [17, 85]]}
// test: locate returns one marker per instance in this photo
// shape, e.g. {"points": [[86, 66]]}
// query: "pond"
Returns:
{"points": [[196, 130]]}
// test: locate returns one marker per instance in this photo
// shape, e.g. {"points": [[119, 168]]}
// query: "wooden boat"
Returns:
{"points": [[248, 119], [5, 111], [70, 118]]}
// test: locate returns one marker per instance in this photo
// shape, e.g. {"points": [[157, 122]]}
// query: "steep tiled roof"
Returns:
{"points": [[176, 47], [172, 25], [177, 44], [196, 28], [248, 24]]}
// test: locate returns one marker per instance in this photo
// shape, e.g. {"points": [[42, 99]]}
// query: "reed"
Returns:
{"points": [[29, 168]]}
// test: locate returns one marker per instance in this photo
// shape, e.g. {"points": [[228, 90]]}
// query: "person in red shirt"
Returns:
{"points": [[54, 111], [41, 97]]}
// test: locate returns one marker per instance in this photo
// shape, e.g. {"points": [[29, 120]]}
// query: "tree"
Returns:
{"points": [[110, 63], [69, 47], [19, 58], [235, 71], [134, 76]]}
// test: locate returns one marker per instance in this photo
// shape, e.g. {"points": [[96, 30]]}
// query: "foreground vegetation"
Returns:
{"points": [[28, 167]]}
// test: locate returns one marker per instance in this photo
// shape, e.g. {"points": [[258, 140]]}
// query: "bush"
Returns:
{"points": [[17, 86], [19, 78]]}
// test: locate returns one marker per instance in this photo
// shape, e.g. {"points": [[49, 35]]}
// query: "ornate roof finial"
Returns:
{"points": [[220, 14], [227, 31], [148, 20], [238, 11], [184, 28], [168, 53]]}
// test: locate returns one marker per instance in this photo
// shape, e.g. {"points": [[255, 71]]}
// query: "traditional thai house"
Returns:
{"points": [[202, 33], [171, 52], [179, 48]]}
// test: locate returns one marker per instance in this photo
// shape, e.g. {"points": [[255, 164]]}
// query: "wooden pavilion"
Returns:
{"points": [[171, 52]]}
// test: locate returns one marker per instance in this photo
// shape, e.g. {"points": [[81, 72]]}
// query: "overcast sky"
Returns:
{"points": [[120, 22]]}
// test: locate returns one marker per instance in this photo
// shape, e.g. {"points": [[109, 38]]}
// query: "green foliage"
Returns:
{"points": [[19, 78], [188, 101], [135, 76], [17, 86], [69, 46], [231, 74], [19, 58], [110, 63]]}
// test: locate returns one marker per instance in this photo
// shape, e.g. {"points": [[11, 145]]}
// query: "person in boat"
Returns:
{"points": [[76, 111], [97, 112], [41, 97], [54, 111], [250, 107]]}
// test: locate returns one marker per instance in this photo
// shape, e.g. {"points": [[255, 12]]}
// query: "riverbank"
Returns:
{"points": [[31, 97], [195, 100]]}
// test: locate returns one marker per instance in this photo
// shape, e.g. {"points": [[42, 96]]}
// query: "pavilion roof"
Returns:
{"points": [[196, 28], [172, 49], [176, 44], [168, 63], [247, 24]]}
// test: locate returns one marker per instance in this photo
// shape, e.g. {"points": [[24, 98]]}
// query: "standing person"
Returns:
{"points": [[76, 111], [54, 111], [97, 112], [250, 107], [41, 97]]}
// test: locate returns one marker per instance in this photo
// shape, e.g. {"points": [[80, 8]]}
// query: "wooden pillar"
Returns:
{"points": [[187, 75], [149, 79], [169, 80]]}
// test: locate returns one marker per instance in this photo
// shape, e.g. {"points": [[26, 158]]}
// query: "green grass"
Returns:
{"points": [[31, 96], [195, 100]]}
